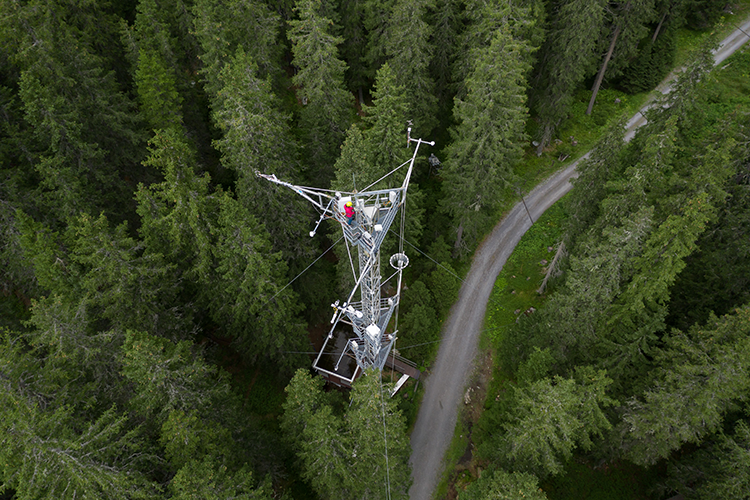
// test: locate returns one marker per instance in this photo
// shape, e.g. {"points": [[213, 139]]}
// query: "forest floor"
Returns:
{"points": [[457, 361]]}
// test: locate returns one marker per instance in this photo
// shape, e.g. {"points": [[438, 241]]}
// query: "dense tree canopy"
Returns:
{"points": [[641, 217], [156, 295]]}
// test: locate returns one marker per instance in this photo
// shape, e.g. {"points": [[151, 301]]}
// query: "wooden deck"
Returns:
{"points": [[403, 365]]}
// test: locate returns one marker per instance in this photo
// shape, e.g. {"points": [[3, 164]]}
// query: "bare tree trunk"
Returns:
{"points": [[459, 233], [552, 269], [545, 139], [600, 75], [658, 28]]}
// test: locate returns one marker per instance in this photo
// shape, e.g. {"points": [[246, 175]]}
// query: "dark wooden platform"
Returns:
{"points": [[403, 365]]}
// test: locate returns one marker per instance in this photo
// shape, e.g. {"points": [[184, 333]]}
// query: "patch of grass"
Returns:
{"points": [[515, 290], [515, 293], [618, 481], [733, 78], [494, 408], [575, 137]]}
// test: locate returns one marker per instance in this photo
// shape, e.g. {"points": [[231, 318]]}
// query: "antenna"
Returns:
{"points": [[365, 218]]}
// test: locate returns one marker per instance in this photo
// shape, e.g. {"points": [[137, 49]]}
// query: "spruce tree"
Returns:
{"points": [[159, 100], [50, 447], [48, 454], [551, 418], [567, 57], [363, 453], [163, 51], [702, 375], [170, 377], [123, 284], [327, 106], [719, 469], [222, 250], [522, 20], [375, 14], [81, 134], [228, 25], [487, 140], [257, 138], [386, 122], [207, 480], [407, 41], [354, 33], [501, 485], [446, 19]]}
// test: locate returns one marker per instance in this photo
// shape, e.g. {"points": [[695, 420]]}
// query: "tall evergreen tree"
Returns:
{"points": [[628, 26], [170, 377], [327, 106], [407, 41], [120, 282], [354, 33], [222, 250], [720, 469], [157, 65], [163, 50], [574, 321], [82, 139], [50, 450], [362, 454], [567, 58], [371, 154], [717, 276], [386, 119], [584, 202], [207, 480], [501, 485], [353, 167], [702, 376], [226, 26], [160, 102], [46, 454], [446, 19], [551, 418], [376, 14], [488, 137], [522, 20], [16, 272], [257, 137]]}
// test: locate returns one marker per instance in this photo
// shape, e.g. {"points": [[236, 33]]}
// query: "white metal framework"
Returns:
{"points": [[343, 356]]}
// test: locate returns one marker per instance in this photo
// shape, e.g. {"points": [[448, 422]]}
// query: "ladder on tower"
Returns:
{"points": [[343, 357]]}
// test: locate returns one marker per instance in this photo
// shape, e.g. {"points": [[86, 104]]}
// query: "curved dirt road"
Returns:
{"points": [[444, 388]]}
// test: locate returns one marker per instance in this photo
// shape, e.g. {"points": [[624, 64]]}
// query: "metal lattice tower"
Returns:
{"points": [[375, 212]]}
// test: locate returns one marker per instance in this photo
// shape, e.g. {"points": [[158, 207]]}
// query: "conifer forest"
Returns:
{"points": [[160, 303]]}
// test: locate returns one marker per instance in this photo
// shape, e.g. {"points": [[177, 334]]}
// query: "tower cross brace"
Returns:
{"points": [[374, 213]]}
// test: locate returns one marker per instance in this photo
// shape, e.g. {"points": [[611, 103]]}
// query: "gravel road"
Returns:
{"points": [[445, 385]]}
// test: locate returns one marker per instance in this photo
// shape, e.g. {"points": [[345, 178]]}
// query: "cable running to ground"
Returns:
{"points": [[433, 260], [304, 271]]}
